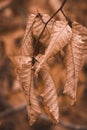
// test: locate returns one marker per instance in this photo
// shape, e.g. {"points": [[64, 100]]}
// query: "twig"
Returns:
{"points": [[57, 11], [49, 21], [55, 4], [69, 22]]}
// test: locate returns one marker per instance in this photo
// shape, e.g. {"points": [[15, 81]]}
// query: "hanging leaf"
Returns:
{"points": [[82, 31], [25, 76], [38, 26], [33, 108], [60, 37], [85, 54], [55, 37], [49, 94], [73, 62], [27, 43]]}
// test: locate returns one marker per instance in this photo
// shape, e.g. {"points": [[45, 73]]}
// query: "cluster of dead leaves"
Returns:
{"points": [[57, 35]]}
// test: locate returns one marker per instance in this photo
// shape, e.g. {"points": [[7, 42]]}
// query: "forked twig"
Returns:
{"points": [[69, 22], [49, 21], [57, 11]]}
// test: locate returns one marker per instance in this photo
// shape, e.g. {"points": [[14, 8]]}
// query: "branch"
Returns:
{"points": [[55, 4], [69, 22], [49, 21], [57, 11]]}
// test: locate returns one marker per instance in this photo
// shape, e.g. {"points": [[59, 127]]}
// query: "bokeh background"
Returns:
{"points": [[13, 18]]}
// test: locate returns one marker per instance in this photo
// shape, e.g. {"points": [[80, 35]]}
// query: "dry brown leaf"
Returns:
{"points": [[27, 46], [33, 108], [25, 76], [49, 94], [85, 54], [73, 62], [60, 37], [56, 36], [82, 31], [38, 26]]}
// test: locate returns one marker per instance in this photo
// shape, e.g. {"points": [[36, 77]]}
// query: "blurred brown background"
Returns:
{"points": [[13, 18]]}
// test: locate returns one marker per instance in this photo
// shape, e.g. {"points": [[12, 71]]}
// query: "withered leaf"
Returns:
{"points": [[73, 63], [85, 54], [25, 75], [55, 37], [33, 108], [38, 26], [82, 31], [49, 94], [60, 37], [27, 47]]}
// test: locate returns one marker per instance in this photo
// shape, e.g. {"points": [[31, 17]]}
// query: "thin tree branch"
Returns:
{"points": [[69, 22], [57, 11], [55, 4], [49, 21]]}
